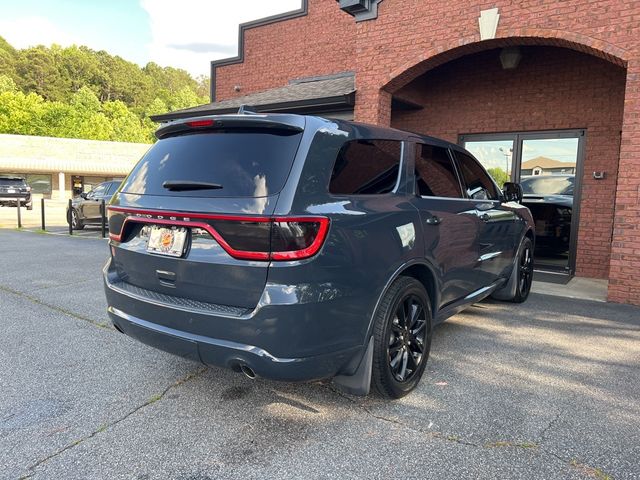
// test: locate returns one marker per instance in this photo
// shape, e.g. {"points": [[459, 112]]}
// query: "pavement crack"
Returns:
{"points": [[55, 308], [592, 472], [438, 435], [543, 434], [155, 398]]}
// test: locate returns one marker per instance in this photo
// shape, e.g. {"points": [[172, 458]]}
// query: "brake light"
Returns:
{"points": [[246, 238], [200, 123]]}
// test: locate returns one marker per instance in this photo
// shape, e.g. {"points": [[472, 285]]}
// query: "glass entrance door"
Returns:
{"points": [[547, 165]]}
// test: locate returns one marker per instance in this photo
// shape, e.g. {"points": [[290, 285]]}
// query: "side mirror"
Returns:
{"points": [[83, 195], [512, 192]]}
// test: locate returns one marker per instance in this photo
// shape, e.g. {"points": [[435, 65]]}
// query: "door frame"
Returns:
{"points": [[516, 162]]}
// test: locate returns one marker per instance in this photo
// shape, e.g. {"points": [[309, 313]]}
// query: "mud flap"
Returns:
{"points": [[360, 382]]}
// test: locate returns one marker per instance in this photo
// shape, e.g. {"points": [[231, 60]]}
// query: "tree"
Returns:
{"points": [[79, 92], [499, 175], [8, 56]]}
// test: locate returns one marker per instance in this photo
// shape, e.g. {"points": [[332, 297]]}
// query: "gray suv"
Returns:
{"points": [[301, 248]]}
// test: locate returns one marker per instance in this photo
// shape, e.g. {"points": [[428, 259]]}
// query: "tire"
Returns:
{"points": [[518, 286], [524, 271], [401, 350], [76, 223]]}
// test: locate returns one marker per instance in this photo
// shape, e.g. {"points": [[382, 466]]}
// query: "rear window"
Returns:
{"points": [[244, 163], [366, 167], [11, 181]]}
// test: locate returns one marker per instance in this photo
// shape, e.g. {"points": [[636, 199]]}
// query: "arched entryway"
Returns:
{"points": [[558, 92]]}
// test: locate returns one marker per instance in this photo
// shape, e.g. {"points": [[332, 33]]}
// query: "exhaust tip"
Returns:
{"points": [[248, 371]]}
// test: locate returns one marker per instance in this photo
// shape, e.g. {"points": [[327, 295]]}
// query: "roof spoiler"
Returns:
{"points": [[243, 119]]}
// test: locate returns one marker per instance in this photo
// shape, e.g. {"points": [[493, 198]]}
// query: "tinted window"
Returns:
{"points": [[366, 167], [246, 163], [435, 173], [99, 190], [478, 184], [112, 187], [11, 181]]}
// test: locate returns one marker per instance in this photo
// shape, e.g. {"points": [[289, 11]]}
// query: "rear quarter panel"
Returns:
{"points": [[370, 237]]}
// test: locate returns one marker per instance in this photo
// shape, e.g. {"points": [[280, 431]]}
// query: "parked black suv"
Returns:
{"points": [[14, 189], [86, 208], [301, 248]]}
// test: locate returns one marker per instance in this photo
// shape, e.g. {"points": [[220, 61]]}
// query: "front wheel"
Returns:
{"points": [[518, 285], [402, 338], [524, 271]]}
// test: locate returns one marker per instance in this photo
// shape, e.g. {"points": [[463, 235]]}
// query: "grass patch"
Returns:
{"points": [[590, 471], [508, 444]]}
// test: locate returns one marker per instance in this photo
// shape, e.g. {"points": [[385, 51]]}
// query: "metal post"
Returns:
{"points": [[19, 214], [42, 213], [69, 218], [104, 221]]}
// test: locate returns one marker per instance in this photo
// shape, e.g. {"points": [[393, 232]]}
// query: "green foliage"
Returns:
{"points": [[77, 92], [499, 175]]}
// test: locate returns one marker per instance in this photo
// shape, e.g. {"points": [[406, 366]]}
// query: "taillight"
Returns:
{"points": [[281, 238], [242, 237], [295, 238]]}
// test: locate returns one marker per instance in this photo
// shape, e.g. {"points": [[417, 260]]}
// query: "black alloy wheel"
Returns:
{"points": [[407, 338], [402, 338]]}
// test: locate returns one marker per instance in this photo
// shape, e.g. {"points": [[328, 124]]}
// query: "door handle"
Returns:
{"points": [[434, 220]]}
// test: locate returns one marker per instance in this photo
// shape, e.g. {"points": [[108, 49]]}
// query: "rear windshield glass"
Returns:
{"points": [[11, 181], [241, 163]]}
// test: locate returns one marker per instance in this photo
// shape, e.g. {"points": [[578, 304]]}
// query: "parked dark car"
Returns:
{"points": [[550, 200], [299, 248], [14, 189], [86, 208]]}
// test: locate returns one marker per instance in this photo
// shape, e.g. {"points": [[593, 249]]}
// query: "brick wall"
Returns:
{"points": [[320, 43], [552, 88], [411, 37]]}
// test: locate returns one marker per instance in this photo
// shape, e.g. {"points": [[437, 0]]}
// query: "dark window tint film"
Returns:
{"points": [[241, 163], [366, 167], [435, 173], [478, 184]]}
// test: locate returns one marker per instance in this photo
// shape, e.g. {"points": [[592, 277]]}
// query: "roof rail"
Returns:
{"points": [[247, 110]]}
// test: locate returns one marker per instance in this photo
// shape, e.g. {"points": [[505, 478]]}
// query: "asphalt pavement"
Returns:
{"points": [[547, 389]]}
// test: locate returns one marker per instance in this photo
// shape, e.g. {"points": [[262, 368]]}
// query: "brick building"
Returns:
{"points": [[509, 80]]}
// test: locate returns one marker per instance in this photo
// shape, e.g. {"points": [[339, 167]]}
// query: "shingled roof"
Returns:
{"points": [[318, 94]]}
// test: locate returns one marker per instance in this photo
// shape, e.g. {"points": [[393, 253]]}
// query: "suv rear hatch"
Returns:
{"points": [[13, 187], [194, 217]]}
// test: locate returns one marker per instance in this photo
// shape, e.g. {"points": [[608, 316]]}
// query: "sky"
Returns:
{"points": [[186, 34], [497, 153]]}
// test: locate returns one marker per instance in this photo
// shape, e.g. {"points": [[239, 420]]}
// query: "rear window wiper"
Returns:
{"points": [[186, 185]]}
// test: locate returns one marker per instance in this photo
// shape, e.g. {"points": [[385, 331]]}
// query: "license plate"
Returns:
{"points": [[167, 241], [11, 190]]}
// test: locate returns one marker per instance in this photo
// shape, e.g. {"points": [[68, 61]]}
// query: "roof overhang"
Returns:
{"points": [[331, 93]]}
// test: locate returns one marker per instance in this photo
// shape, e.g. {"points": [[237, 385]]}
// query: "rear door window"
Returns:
{"points": [[435, 173], [478, 184], [366, 167], [100, 190], [244, 163]]}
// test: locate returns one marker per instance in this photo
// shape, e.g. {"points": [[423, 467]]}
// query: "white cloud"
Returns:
{"points": [[193, 32], [29, 31]]}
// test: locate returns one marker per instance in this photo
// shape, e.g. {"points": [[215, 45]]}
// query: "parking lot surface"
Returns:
{"points": [[547, 389]]}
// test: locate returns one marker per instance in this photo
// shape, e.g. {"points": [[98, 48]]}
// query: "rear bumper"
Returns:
{"points": [[173, 330], [13, 198]]}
